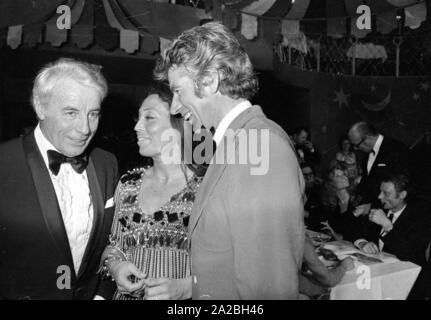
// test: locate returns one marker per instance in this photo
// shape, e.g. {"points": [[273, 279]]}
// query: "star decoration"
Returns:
{"points": [[341, 98], [425, 86], [416, 97], [373, 88]]}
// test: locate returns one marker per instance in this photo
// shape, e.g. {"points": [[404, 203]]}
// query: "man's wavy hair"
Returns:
{"points": [[211, 48]]}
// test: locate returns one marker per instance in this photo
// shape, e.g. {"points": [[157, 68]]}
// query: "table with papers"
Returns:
{"points": [[375, 277]]}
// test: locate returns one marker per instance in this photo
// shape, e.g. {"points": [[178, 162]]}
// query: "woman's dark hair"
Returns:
{"points": [[163, 91]]}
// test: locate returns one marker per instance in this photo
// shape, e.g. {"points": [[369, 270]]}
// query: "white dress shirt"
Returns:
{"points": [[228, 119], [74, 199], [372, 156]]}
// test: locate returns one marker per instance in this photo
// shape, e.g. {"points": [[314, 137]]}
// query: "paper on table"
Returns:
{"points": [[344, 249]]}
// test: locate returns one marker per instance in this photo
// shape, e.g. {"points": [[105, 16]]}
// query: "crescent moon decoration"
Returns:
{"points": [[377, 106]]}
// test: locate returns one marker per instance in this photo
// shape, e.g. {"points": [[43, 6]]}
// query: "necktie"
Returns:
{"points": [[55, 160]]}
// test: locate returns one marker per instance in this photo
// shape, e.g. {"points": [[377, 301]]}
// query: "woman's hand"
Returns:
{"points": [[122, 271], [168, 289]]}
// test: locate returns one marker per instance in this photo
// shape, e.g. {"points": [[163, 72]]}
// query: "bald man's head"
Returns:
{"points": [[363, 136]]}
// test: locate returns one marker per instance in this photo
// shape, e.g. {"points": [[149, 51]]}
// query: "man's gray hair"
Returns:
{"points": [[66, 68]]}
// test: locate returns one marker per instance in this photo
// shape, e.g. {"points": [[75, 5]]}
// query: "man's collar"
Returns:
{"points": [[43, 144], [228, 119], [377, 145]]}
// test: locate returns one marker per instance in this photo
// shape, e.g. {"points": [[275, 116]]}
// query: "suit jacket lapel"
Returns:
{"points": [[215, 170], [98, 209], [47, 197]]}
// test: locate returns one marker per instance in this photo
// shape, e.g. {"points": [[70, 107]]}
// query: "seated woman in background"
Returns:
{"points": [[148, 254], [346, 158], [337, 205]]}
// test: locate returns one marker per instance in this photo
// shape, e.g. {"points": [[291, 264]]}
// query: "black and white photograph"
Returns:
{"points": [[238, 151]]}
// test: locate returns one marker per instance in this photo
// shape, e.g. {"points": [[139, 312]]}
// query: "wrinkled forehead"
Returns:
{"points": [[71, 90]]}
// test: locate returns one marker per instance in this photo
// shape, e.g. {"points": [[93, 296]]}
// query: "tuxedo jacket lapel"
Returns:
{"points": [[98, 208], [47, 198]]}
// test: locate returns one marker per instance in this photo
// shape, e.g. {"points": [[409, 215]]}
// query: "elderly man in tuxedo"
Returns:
{"points": [[56, 193], [247, 231]]}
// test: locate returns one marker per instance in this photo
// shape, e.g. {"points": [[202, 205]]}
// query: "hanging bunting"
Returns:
{"points": [[336, 27], [20, 12], [149, 44], [57, 36], [129, 40], [106, 36], [248, 26], [351, 7], [14, 36], [162, 19], [82, 34], [32, 34], [129, 35]]}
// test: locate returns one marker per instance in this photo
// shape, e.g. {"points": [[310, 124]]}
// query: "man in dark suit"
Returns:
{"points": [[305, 150], [403, 227], [385, 156], [56, 194], [246, 228]]}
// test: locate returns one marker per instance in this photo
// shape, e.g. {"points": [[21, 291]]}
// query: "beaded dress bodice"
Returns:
{"points": [[158, 243]]}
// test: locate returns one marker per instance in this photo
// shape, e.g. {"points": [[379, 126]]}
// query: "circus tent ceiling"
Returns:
{"points": [[148, 26]]}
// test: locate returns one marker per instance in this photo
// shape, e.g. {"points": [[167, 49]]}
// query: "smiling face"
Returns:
{"points": [[339, 179], [154, 120], [70, 116], [390, 198], [185, 101]]}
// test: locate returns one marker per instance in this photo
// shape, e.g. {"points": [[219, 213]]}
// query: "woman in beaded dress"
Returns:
{"points": [[148, 253]]}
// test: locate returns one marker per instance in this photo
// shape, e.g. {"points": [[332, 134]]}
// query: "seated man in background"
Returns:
{"points": [[305, 150], [402, 227]]}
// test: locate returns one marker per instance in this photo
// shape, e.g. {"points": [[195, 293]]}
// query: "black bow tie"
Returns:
{"points": [[55, 160]]}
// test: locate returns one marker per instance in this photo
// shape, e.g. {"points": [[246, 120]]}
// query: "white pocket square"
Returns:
{"points": [[381, 165], [109, 203]]}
